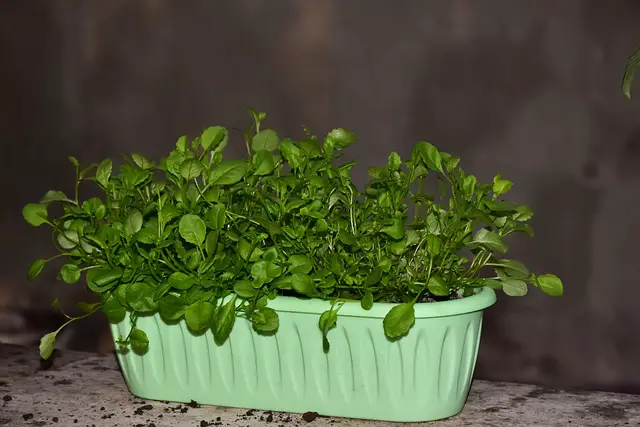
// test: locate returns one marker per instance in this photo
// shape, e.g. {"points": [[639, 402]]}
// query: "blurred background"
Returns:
{"points": [[530, 89]]}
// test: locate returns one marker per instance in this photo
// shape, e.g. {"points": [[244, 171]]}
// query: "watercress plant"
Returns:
{"points": [[206, 239]]}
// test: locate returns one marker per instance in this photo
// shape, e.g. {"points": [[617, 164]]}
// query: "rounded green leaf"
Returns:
{"points": [[35, 214], [224, 319], [228, 172], [114, 311], [103, 173], [550, 284], [300, 264], [489, 240], [434, 244], [265, 271], [102, 279], [182, 281], [35, 269], [244, 289], [212, 136], [328, 321], [140, 297], [133, 223], [70, 273], [139, 341], [53, 196], [399, 320], [430, 155], [265, 321], [265, 140], [216, 216], [47, 344], [514, 268], [263, 163], [303, 284], [395, 230], [192, 229], [438, 287], [171, 307], [198, 315], [514, 287], [367, 301], [141, 161], [374, 277], [191, 169]]}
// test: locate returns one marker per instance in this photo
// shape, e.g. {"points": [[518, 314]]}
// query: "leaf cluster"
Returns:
{"points": [[206, 239]]}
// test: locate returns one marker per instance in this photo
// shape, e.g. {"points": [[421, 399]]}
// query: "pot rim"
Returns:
{"points": [[483, 299]]}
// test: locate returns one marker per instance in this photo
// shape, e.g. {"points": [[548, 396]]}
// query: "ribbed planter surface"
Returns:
{"points": [[424, 376]]}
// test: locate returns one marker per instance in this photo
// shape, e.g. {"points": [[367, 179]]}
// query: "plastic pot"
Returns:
{"points": [[424, 376]]}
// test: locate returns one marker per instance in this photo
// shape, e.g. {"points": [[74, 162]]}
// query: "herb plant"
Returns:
{"points": [[207, 239]]}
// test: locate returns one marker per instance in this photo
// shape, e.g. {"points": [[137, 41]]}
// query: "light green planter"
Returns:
{"points": [[424, 376]]}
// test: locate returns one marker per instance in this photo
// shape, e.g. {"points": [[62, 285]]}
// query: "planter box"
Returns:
{"points": [[424, 376]]}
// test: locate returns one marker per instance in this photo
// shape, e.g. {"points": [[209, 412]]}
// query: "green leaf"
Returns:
{"points": [[438, 287], [182, 281], [199, 315], [244, 289], [35, 269], [265, 321], [114, 311], [632, 67], [399, 320], [35, 214], [347, 238], [514, 287], [291, 153], [501, 186], [133, 223], [434, 244], [193, 229], [265, 271], [139, 341], [190, 169], [430, 155], [171, 307], [224, 319], [70, 273], [396, 230], [489, 240], [228, 172], [74, 161], [373, 277], [550, 284], [102, 279], [327, 321], [263, 163], [216, 216], [514, 268], [341, 138], [303, 284], [212, 137], [265, 140], [367, 301], [47, 344], [161, 290], [181, 144], [140, 297], [211, 243], [53, 196], [141, 161], [300, 264], [469, 186], [103, 173]]}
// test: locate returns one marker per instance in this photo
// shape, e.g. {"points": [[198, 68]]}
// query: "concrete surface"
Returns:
{"points": [[88, 390]]}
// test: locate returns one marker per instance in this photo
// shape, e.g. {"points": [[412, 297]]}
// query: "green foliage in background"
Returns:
{"points": [[206, 239], [633, 66]]}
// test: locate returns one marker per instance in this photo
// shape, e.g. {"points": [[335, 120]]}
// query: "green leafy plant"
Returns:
{"points": [[206, 239], [633, 65]]}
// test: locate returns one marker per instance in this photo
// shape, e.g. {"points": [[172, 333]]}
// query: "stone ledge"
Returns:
{"points": [[88, 390]]}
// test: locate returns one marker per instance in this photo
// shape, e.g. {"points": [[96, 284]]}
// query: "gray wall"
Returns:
{"points": [[528, 88]]}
